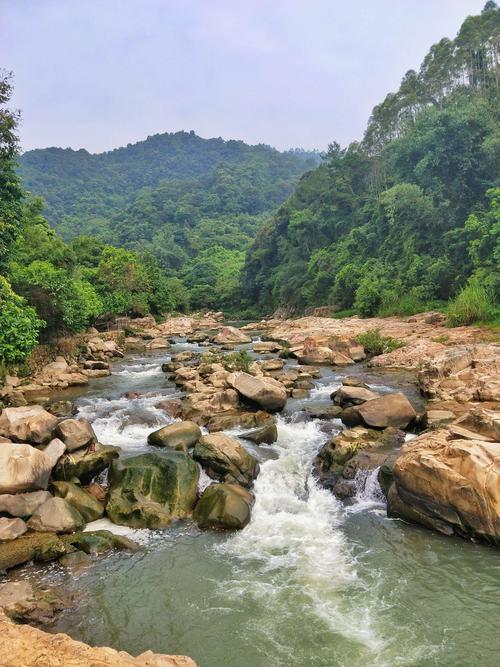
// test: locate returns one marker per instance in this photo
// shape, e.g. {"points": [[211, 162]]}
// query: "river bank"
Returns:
{"points": [[212, 593]]}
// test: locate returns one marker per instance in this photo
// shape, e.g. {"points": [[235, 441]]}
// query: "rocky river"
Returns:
{"points": [[312, 580]]}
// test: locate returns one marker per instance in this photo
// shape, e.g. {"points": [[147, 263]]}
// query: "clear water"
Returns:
{"points": [[309, 583]]}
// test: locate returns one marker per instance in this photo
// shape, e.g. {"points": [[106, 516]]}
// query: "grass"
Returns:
{"points": [[342, 314], [235, 361], [375, 343], [472, 305], [407, 305]]}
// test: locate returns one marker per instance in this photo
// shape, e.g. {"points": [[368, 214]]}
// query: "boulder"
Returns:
{"points": [[85, 465], [482, 421], [261, 347], [266, 392], [158, 344], [180, 435], [266, 434], [54, 450], [348, 396], [230, 335], [224, 506], [62, 408], [150, 490], [200, 407], [31, 423], [171, 407], [23, 468], [56, 515], [316, 354], [23, 504], [231, 419], [10, 529], [450, 485], [76, 433], [387, 410], [224, 459], [90, 508]]}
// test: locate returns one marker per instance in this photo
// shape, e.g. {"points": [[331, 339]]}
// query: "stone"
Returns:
{"points": [[300, 393], [267, 393], [31, 424], [482, 421], [316, 354], [54, 450], [223, 421], [10, 529], [224, 459], [151, 490], [322, 411], [75, 560], [84, 465], [22, 504], [97, 542], [158, 344], [88, 506], [76, 433], [266, 434], [450, 485], [261, 347], [387, 410], [171, 407], [180, 435], [23, 603], [23, 468], [436, 418], [56, 515], [347, 396], [231, 335], [224, 507], [62, 408]]}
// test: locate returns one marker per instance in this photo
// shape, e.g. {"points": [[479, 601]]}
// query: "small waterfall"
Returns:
{"points": [[369, 495]]}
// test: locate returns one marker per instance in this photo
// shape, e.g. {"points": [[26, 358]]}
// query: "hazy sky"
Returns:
{"points": [[103, 73]]}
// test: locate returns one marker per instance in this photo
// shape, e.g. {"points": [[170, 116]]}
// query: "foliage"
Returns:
{"points": [[472, 304], [235, 361], [375, 343], [19, 326]]}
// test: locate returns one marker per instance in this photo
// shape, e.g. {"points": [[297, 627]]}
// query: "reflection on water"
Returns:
{"points": [[309, 583]]}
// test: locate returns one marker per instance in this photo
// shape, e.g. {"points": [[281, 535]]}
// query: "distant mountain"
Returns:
{"points": [[84, 191]]}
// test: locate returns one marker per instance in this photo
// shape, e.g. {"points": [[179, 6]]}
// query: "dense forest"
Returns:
{"points": [[409, 215]]}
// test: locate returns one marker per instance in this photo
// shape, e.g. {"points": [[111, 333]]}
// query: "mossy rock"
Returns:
{"points": [[224, 507], [85, 465], [88, 506], [180, 436], [100, 541], [150, 490]]}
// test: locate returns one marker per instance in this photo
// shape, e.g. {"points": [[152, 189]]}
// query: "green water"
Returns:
{"points": [[309, 583]]}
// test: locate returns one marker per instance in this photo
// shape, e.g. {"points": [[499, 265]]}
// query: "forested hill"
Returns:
{"points": [[83, 191], [409, 215]]}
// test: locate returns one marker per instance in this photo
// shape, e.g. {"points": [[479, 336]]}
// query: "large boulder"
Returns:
{"points": [[450, 485], [22, 504], [348, 396], [387, 410], [88, 506], [180, 436], [266, 434], [84, 465], [23, 468], [150, 490], [76, 433], [56, 515], [231, 335], [224, 459], [266, 392], [224, 506], [31, 423]]}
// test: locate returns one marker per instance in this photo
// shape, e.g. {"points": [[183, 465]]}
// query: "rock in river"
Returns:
{"points": [[224, 506], [90, 508], [23, 468], [76, 433], [150, 490], [266, 392], [180, 436], [85, 465], [31, 423], [56, 515], [387, 410], [224, 459]]}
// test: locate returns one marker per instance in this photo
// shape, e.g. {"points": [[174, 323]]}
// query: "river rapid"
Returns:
{"points": [[310, 582]]}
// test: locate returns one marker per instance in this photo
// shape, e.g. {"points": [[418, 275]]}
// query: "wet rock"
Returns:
{"points": [[227, 420], [31, 424], [347, 396], [171, 407], [84, 465], [322, 411], [62, 408], [385, 476], [268, 393], [265, 434], [76, 433], [300, 393], [11, 528], [23, 468], [96, 365], [344, 488], [88, 506], [224, 459], [22, 504], [180, 435], [201, 407], [387, 410], [150, 490], [448, 484], [231, 335], [97, 542], [76, 560], [56, 515], [23, 603], [224, 507], [98, 491]]}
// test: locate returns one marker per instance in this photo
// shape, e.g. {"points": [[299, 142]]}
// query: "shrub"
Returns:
{"points": [[375, 343], [19, 326], [472, 304]]}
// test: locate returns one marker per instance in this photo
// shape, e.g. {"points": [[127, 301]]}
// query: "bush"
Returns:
{"points": [[472, 304], [375, 343], [19, 326]]}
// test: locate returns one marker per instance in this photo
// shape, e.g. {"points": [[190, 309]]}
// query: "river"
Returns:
{"points": [[310, 582]]}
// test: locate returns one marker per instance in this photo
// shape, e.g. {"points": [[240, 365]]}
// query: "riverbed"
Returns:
{"points": [[310, 582]]}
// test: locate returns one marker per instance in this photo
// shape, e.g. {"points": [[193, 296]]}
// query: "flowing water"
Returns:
{"points": [[310, 582]]}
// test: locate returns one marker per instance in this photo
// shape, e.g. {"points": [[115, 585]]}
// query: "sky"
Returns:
{"points": [[98, 74]]}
